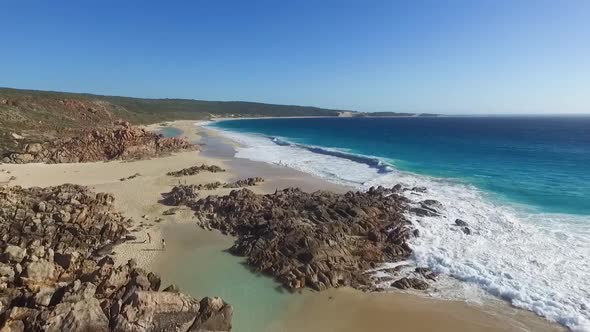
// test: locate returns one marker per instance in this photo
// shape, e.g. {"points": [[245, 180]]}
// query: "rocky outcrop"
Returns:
{"points": [[54, 275], [181, 195], [196, 170], [170, 311], [131, 177], [317, 240], [405, 283], [64, 218], [244, 183], [122, 142], [105, 298], [210, 185], [461, 223], [249, 182]]}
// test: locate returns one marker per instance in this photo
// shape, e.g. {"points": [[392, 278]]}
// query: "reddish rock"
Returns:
{"points": [[54, 277], [123, 142]]}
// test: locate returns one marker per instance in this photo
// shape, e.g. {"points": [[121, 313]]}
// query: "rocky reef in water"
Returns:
{"points": [[317, 240], [56, 273], [121, 142]]}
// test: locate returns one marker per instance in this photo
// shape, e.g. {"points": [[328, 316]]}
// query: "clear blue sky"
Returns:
{"points": [[447, 56]]}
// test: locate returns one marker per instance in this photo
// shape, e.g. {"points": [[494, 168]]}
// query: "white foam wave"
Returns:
{"points": [[332, 168], [202, 123], [538, 262]]}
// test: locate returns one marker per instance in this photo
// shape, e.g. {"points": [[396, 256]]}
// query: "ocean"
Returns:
{"points": [[521, 183]]}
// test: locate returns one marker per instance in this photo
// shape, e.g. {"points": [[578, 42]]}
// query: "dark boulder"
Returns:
{"points": [[181, 195], [460, 222], [196, 170], [423, 212], [405, 283]]}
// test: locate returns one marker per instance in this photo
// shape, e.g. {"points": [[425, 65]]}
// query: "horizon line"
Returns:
{"points": [[447, 114]]}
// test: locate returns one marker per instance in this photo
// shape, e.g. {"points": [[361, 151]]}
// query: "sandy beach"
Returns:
{"points": [[197, 262]]}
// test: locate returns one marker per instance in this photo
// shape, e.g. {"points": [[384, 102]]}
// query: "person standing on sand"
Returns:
{"points": [[149, 237], [163, 244]]}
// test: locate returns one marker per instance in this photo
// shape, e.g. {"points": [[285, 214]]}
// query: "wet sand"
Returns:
{"points": [[349, 310], [198, 262]]}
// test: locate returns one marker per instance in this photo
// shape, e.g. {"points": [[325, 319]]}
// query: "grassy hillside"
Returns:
{"points": [[42, 115], [146, 110]]}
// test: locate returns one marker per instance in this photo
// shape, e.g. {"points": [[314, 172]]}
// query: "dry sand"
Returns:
{"points": [[333, 310]]}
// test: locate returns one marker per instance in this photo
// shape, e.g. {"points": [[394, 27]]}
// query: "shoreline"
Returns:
{"points": [[517, 319], [326, 117], [139, 197]]}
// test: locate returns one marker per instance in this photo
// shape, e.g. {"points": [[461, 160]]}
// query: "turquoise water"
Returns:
{"points": [[197, 261], [543, 162], [521, 183]]}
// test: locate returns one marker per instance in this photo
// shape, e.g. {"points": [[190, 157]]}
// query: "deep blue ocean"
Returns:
{"points": [[522, 184], [543, 162]]}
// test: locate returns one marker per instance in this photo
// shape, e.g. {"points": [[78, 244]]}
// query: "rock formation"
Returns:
{"points": [[318, 240], [405, 283], [181, 195], [54, 275], [244, 183], [67, 217], [210, 185], [196, 170], [130, 177], [122, 142], [236, 184]]}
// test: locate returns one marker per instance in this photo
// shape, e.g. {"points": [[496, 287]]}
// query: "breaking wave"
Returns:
{"points": [[535, 261]]}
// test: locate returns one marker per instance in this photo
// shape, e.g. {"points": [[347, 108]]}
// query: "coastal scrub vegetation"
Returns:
{"points": [[37, 116], [40, 116]]}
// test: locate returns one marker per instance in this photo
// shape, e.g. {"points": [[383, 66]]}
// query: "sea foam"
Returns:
{"points": [[535, 261]]}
